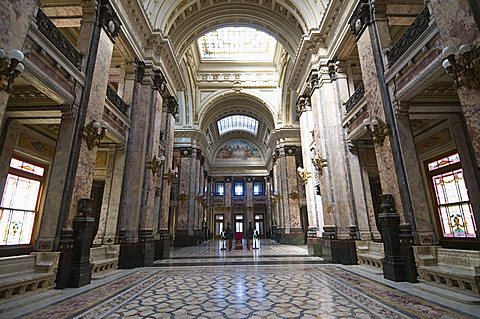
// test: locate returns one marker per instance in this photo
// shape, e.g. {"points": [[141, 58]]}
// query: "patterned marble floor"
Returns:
{"points": [[246, 290], [280, 291]]}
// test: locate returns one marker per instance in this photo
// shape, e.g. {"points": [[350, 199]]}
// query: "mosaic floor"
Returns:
{"points": [[241, 291]]}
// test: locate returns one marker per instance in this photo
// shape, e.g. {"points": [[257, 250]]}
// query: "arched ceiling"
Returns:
{"points": [[184, 21], [236, 104]]}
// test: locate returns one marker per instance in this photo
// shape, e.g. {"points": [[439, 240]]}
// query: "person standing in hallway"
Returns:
{"points": [[228, 235], [249, 235]]}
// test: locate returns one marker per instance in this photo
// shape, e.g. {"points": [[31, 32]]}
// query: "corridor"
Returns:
{"points": [[275, 281]]}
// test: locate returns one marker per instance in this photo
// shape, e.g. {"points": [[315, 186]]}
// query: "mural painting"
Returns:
{"points": [[238, 149]]}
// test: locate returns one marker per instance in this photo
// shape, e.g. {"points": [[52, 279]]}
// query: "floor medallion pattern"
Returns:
{"points": [[246, 291]]}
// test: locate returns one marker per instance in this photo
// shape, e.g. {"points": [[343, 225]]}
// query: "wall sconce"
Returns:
{"points": [[293, 195], [377, 129], [319, 163], [93, 133], [171, 175], [304, 174], [275, 198], [155, 164], [465, 68], [10, 68]]}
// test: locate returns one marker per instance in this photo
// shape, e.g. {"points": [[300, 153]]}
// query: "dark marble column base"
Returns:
{"points": [[66, 258], [81, 269], [183, 239], [292, 239], [314, 246], [162, 247], [136, 254], [339, 251]]}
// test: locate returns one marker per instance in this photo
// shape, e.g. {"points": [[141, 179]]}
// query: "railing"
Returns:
{"points": [[50, 31], [411, 35], [355, 98], [116, 100]]}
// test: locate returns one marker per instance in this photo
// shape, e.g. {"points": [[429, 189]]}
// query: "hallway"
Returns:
{"points": [[277, 281]]}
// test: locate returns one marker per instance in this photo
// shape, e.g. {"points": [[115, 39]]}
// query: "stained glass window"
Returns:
{"points": [[26, 167], [237, 122], [237, 44], [453, 203], [18, 204]]}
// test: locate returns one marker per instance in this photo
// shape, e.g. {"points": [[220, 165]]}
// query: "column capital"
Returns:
{"points": [[159, 82], [303, 104], [109, 20], [360, 18], [290, 150], [172, 105]]}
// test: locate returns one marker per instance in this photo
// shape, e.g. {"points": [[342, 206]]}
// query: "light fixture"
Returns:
{"points": [[10, 68], [377, 129], [155, 164], [93, 133], [304, 174], [463, 64], [318, 162], [171, 175]]}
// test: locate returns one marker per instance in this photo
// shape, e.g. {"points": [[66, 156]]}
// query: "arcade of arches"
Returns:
{"points": [[132, 128]]}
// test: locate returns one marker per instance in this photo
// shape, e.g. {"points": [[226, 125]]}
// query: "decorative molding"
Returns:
{"points": [[109, 20], [360, 18], [50, 31]]}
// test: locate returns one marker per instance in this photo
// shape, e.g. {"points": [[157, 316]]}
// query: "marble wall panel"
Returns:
{"points": [[86, 161], [388, 176], [184, 189]]}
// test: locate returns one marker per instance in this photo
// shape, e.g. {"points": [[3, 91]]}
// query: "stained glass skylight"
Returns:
{"points": [[237, 44], [237, 122]]}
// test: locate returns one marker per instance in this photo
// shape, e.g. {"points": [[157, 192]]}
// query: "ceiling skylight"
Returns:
{"points": [[237, 122], [237, 44]]}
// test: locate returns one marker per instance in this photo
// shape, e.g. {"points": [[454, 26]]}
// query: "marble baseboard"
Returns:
{"points": [[339, 251]]}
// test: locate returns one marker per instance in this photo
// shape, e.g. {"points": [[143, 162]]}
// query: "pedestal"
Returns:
{"points": [[314, 246], [183, 239], [393, 264], [66, 258], [147, 248], [162, 247]]}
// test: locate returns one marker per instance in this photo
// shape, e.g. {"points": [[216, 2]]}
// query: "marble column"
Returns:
{"points": [[182, 237], [82, 155], [15, 16], [48, 238], [290, 221], [320, 152], [423, 218], [7, 147], [456, 25], [249, 199], [152, 169], [376, 109], [132, 249], [314, 208], [162, 248]]}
